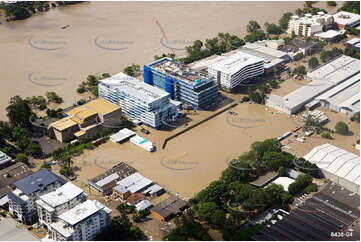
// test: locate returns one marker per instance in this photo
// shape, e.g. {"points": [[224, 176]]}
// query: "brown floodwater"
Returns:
{"points": [[37, 55]]}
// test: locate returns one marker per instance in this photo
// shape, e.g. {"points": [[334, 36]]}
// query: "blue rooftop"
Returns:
{"points": [[37, 181]]}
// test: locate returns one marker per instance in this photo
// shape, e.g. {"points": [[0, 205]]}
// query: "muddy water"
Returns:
{"points": [[37, 55], [194, 159]]}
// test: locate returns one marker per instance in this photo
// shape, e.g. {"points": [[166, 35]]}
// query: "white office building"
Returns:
{"points": [[82, 223], [231, 71], [138, 100], [345, 19], [55, 203], [308, 25]]}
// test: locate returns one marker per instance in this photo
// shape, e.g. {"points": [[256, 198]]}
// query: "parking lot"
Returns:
{"points": [[11, 231]]}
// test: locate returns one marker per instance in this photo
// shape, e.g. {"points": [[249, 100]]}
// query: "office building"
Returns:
{"points": [[182, 82], [308, 25], [22, 201], [53, 204], [230, 71], [138, 100], [81, 223]]}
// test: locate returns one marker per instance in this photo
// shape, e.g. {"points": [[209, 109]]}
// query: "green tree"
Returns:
{"points": [[281, 171], [326, 135], [313, 62], [351, 6], [274, 29], [18, 112], [206, 210], [301, 182], [252, 26], [255, 36], [284, 20], [218, 218], [331, 3], [341, 128], [22, 158], [214, 192]]}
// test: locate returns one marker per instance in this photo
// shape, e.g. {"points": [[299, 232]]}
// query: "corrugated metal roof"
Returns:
{"points": [[336, 161]]}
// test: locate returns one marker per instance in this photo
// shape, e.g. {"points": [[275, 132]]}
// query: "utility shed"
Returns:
{"points": [[340, 166]]}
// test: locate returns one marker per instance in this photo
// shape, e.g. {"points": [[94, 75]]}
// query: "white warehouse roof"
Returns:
{"points": [[344, 95], [133, 87], [336, 161], [232, 64], [135, 182], [82, 211]]}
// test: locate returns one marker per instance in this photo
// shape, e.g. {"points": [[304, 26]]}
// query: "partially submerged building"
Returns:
{"points": [[104, 182], [53, 204], [81, 223], [85, 119], [272, 58], [234, 69], [340, 166], [342, 69], [308, 25], [168, 208], [138, 100], [22, 201], [182, 82]]}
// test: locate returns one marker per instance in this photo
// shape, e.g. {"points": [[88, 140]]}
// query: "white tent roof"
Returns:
{"points": [[336, 161]]}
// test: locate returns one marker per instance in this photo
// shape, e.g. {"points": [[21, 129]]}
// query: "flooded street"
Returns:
{"points": [[37, 55]]}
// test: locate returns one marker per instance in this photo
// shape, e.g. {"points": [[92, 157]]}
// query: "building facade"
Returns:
{"points": [[182, 82], [308, 25], [81, 223], [233, 70], [53, 204], [22, 201], [138, 100], [85, 119]]}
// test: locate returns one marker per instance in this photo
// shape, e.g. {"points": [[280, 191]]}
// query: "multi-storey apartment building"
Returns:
{"points": [[182, 82], [308, 25], [138, 100], [55, 203], [22, 201], [231, 71], [81, 223]]}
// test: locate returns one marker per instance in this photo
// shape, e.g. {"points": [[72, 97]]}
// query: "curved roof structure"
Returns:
{"points": [[336, 161]]}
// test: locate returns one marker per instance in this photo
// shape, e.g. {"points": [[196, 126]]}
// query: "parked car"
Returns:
{"points": [[145, 131]]}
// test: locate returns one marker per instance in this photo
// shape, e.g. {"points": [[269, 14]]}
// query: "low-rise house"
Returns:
{"points": [[135, 183], [142, 204], [135, 197], [298, 46], [22, 203], [154, 190], [81, 223], [168, 208], [86, 119], [107, 180], [55, 203], [121, 192]]}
